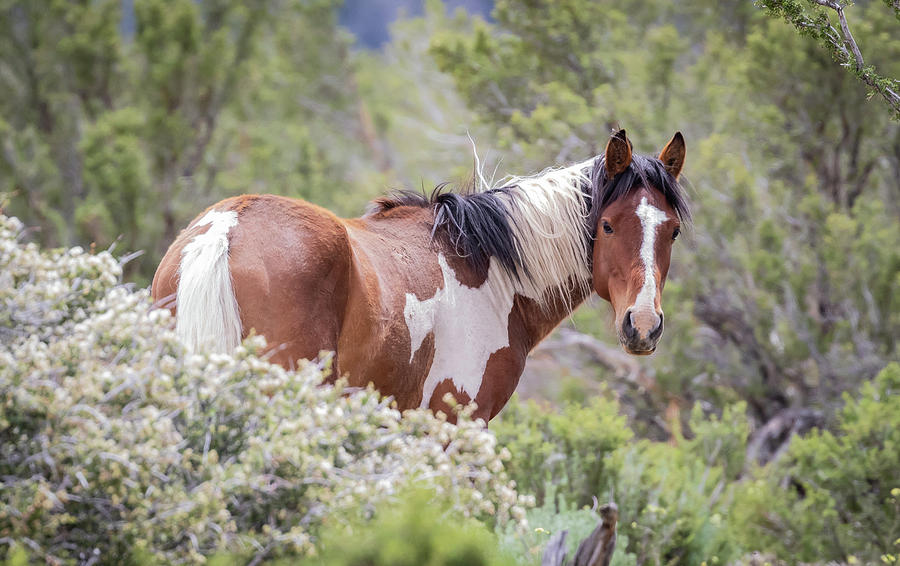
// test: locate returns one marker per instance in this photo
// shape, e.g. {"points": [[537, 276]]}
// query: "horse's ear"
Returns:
{"points": [[618, 154], [672, 156]]}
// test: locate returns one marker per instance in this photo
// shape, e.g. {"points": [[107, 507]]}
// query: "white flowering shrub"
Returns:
{"points": [[115, 444]]}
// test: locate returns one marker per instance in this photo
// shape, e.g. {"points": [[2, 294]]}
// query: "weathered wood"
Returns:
{"points": [[596, 550], [555, 551]]}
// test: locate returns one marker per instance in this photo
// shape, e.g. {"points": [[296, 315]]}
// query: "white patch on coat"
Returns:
{"points": [[207, 315], [469, 325], [651, 217]]}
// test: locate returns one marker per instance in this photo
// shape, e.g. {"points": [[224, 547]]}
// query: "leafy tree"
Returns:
{"points": [[552, 74], [792, 269], [62, 63], [106, 134]]}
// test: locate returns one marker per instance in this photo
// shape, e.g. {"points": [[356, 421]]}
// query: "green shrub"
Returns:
{"points": [[569, 449], [673, 499], [413, 532], [835, 496], [116, 446]]}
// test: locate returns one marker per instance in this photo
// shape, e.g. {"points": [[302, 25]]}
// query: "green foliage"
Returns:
{"points": [[673, 498], [17, 557], [116, 443], [835, 494], [116, 177], [412, 532], [555, 74], [569, 449]]}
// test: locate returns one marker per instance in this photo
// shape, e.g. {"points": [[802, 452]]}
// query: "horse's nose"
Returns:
{"points": [[636, 336], [657, 330], [628, 330]]}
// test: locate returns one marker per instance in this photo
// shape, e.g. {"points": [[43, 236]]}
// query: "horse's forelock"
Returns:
{"points": [[643, 171]]}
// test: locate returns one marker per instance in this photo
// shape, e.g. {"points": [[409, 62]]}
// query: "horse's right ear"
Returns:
{"points": [[618, 154]]}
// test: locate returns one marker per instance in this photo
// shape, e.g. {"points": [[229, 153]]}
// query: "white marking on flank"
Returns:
{"points": [[651, 217], [469, 325], [207, 313]]}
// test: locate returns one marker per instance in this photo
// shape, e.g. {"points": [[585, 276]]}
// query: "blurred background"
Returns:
{"points": [[120, 120]]}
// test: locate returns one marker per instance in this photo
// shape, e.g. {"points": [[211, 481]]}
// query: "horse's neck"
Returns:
{"points": [[538, 321]]}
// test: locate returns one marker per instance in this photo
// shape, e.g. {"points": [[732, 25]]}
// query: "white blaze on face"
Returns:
{"points": [[469, 325], [651, 217]]}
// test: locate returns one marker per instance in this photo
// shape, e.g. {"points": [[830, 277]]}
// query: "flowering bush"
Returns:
{"points": [[116, 444]]}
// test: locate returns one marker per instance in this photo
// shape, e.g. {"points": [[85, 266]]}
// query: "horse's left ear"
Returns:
{"points": [[672, 156]]}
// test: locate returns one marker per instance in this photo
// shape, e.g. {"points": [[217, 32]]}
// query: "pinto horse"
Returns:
{"points": [[425, 296]]}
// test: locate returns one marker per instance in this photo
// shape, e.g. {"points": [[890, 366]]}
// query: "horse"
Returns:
{"points": [[426, 295]]}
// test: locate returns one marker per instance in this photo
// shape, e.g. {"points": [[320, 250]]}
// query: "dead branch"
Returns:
{"points": [[596, 550], [773, 438]]}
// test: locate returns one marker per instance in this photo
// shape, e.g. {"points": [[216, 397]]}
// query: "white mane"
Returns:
{"points": [[548, 213]]}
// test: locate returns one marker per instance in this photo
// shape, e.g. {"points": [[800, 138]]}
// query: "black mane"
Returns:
{"points": [[479, 225], [641, 172]]}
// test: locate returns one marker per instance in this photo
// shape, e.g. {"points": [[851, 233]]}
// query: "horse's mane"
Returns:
{"points": [[477, 224], [496, 222], [643, 171]]}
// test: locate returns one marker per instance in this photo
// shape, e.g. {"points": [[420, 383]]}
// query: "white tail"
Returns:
{"points": [[207, 311]]}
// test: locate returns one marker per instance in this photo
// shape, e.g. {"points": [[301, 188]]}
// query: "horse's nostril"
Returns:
{"points": [[628, 328], [657, 330]]}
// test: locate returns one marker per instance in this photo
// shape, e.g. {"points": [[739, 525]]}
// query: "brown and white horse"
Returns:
{"points": [[424, 296]]}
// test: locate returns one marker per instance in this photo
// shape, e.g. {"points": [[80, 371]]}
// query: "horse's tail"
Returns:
{"points": [[207, 310]]}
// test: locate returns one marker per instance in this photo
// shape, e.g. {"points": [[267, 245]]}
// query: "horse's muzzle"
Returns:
{"points": [[640, 343]]}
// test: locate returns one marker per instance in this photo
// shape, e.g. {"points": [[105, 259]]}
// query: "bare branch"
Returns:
{"points": [[842, 44], [867, 75], [845, 30]]}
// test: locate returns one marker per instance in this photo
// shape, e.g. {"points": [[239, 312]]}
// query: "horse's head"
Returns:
{"points": [[638, 218]]}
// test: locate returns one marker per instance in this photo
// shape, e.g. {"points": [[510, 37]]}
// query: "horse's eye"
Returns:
{"points": [[675, 233], [607, 228]]}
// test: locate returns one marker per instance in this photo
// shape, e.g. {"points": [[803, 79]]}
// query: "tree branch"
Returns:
{"points": [[845, 31], [842, 43], [877, 83]]}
